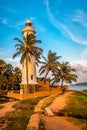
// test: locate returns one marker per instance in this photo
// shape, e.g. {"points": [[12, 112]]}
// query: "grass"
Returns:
{"points": [[76, 109], [41, 125], [18, 119], [85, 91], [77, 104], [82, 123]]}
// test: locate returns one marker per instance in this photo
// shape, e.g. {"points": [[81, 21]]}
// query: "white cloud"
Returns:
{"points": [[63, 28], [81, 72], [8, 59], [13, 24], [4, 20], [80, 17], [15, 62], [9, 10], [84, 57]]}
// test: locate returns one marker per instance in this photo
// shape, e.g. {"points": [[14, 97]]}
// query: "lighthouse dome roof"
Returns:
{"points": [[28, 21]]}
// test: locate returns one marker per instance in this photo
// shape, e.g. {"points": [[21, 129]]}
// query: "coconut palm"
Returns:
{"points": [[50, 64], [55, 77], [66, 73], [27, 49]]}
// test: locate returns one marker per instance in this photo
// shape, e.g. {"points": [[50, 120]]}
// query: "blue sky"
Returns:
{"points": [[61, 26]]}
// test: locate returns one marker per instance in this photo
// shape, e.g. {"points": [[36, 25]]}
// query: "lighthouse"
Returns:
{"points": [[29, 79]]}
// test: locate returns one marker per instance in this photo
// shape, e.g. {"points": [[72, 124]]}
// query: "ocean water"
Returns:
{"points": [[78, 88]]}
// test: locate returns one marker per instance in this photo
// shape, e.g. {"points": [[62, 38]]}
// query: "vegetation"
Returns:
{"points": [[41, 125], [66, 73], [76, 109], [27, 49], [61, 72], [18, 119], [85, 91], [50, 64], [10, 77]]}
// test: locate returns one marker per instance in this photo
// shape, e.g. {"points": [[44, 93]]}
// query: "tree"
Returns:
{"points": [[2, 65], [10, 77], [16, 78], [66, 73], [55, 77], [50, 64], [27, 49], [7, 73]]}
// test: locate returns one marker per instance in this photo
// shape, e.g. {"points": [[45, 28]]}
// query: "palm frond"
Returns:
{"points": [[17, 39], [44, 58], [42, 67], [42, 72], [16, 54]]}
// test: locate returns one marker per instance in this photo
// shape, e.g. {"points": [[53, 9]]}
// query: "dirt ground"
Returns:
{"points": [[56, 122], [7, 108], [59, 102]]}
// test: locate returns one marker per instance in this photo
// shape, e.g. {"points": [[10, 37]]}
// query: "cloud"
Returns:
{"points": [[84, 57], [81, 72], [8, 59], [63, 28], [9, 10], [79, 68], [4, 20], [17, 24], [15, 62], [80, 17]]}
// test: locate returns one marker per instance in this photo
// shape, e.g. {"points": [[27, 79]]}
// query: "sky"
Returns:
{"points": [[61, 25]]}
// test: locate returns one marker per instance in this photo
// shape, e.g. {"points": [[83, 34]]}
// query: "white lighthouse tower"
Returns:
{"points": [[30, 80]]}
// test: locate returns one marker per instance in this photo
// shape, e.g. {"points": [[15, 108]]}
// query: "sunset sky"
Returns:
{"points": [[61, 25]]}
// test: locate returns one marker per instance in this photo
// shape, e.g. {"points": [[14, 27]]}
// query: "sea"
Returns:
{"points": [[78, 88]]}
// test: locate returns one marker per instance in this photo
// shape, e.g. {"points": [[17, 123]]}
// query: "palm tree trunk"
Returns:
{"points": [[62, 82], [46, 76], [27, 72]]}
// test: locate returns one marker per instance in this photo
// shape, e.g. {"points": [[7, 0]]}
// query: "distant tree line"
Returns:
{"points": [[10, 77]]}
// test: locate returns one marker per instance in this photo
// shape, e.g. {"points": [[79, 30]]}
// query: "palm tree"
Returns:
{"points": [[50, 64], [66, 73], [63, 74], [27, 49], [55, 77]]}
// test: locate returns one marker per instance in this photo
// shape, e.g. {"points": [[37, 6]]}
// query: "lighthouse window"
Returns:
{"points": [[32, 77]]}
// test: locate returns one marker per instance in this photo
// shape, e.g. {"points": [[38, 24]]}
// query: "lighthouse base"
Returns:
{"points": [[25, 89]]}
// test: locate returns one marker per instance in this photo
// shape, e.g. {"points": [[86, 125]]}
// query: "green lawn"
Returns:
{"points": [[85, 91], [76, 109], [18, 119]]}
